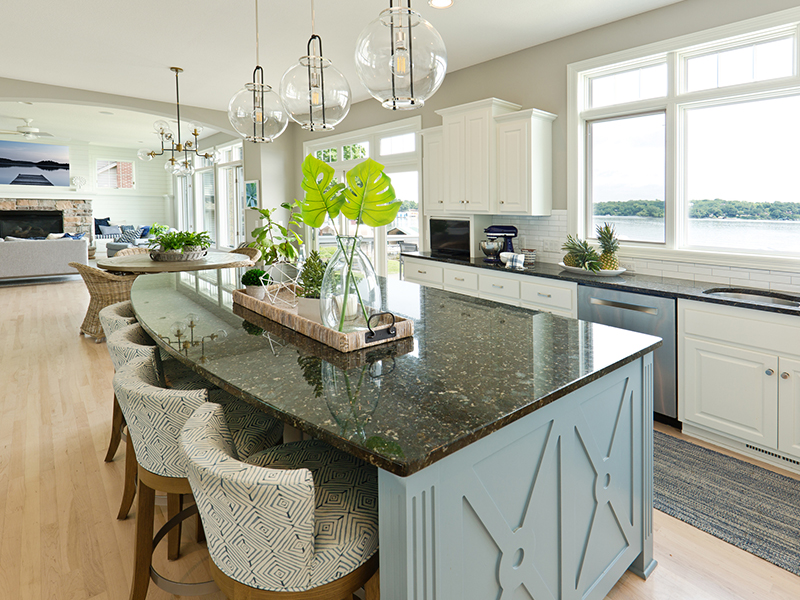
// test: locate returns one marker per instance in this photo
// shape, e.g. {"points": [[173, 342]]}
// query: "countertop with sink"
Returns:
{"points": [[646, 284]]}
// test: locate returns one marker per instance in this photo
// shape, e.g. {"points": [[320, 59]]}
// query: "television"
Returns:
{"points": [[449, 238]]}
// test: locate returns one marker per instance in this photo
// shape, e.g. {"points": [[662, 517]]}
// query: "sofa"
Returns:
{"points": [[41, 258]]}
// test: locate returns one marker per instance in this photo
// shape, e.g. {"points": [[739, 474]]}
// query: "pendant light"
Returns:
{"points": [[314, 92], [256, 112], [401, 58], [171, 142]]}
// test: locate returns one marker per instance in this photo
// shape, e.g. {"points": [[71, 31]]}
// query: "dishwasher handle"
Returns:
{"points": [[634, 307]]}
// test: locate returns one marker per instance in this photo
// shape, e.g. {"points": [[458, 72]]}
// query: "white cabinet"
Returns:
{"points": [[463, 280], [550, 295], [469, 150], [524, 162], [499, 287], [432, 170], [737, 376], [423, 272]]}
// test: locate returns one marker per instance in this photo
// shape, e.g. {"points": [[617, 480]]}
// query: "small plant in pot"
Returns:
{"points": [[310, 284], [252, 282], [189, 243]]}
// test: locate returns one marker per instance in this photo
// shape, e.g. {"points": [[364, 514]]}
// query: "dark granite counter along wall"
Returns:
{"points": [[472, 367]]}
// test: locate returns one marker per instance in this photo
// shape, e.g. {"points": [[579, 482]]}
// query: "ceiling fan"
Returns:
{"points": [[27, 131]]}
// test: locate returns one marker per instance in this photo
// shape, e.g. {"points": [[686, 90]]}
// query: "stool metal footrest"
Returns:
{"points": [[176, 587]]}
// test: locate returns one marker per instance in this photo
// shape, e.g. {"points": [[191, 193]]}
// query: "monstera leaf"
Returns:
{"points": [[323, 195], [369, 197]]}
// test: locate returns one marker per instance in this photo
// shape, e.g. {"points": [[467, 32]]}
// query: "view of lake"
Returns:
{"points": [[54, 176], [779, 236]]}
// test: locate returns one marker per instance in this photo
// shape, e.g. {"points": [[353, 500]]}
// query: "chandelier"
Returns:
{"points": [[314, 92], [255, 111], [401, 58], [170, 142]]}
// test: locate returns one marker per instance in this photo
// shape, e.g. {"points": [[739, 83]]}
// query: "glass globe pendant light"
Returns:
{"points": [[314, 92], [401, 58], [255, 111]]}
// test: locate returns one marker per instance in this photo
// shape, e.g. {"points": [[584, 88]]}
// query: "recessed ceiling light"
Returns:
{"points": [[28, 103], [441, 3], [106, 112]]}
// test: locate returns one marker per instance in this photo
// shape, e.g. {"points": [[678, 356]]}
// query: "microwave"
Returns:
{"points": [[449, 237]]}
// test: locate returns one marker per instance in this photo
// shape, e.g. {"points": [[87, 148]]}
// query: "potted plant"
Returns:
{"points": [[179, 245], [278, 244], [311, 276], [350, 290], [252, 282]]}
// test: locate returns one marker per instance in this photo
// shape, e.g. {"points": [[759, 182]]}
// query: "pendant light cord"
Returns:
{"points": [[258, 61], [313, 19]]}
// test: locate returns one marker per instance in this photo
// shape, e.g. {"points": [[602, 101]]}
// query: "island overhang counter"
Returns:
{"points": [[514, 448]]}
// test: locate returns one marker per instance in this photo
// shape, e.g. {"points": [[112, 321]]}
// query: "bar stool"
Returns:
{"points": [[114, 317], [104, 289], [299, 520], [155, 417]]}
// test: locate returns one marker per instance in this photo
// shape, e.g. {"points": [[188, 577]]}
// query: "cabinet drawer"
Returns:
{"points": [[461, 280], [423, 273], [548, 296], [499, 286]]}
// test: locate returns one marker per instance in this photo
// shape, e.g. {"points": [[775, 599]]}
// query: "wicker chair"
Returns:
{"points": [[299, 520], [252, 253], [134, 250], [104, 289], [155, 417]]}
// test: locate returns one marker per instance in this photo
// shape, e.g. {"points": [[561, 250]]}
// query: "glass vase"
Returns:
{"points": [[350, 290]]}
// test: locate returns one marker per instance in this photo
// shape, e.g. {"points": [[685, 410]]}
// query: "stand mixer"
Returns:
{"points": [[499, 240]]}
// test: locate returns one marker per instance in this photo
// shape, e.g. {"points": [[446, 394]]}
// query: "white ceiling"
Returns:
{"points": [[126, 48]]}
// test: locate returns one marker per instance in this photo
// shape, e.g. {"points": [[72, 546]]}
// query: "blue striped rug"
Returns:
{"points": [[749, 507]]}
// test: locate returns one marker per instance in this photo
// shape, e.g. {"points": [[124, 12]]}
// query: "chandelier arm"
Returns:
{"points": [[177, 102]]}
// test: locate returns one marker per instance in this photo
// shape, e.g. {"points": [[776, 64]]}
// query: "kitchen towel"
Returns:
{"points": [[516, 261]]}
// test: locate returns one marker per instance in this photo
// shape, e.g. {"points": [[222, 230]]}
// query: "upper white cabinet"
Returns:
{"points": [[469, 149], [524, 162], [432, 170]]}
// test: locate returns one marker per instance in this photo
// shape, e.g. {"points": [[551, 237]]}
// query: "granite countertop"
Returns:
{"points": [[472, 367], [629, 282]]}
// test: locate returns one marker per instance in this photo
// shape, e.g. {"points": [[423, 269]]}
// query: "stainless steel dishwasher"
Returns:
{"points": [[646, 314]]}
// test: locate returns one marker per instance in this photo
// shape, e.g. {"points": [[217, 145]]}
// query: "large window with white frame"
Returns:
{"points": [[395, 146], [690, 146]]}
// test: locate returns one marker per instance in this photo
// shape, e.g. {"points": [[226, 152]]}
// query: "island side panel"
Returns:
{"points": [[554, 505]]}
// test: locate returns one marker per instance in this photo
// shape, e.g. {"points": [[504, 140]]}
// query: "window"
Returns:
{"points": [[398, 144], [691, 145], [114, 174]]}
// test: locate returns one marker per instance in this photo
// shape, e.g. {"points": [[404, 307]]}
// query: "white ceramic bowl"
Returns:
{"points": [[504, 256]]}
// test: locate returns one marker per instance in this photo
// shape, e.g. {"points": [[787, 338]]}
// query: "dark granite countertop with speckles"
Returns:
{"points": [[472, 367], [629, 282]]}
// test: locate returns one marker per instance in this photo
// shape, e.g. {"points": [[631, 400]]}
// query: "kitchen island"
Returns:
{"points": [[514, 448]]}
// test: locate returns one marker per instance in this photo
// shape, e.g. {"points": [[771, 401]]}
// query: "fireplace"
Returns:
{"points": [[30, 223]]}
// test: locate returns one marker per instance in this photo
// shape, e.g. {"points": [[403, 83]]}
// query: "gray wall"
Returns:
{"points": [[537, 77]]}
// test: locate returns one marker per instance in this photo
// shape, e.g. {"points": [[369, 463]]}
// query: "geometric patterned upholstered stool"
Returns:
{"points": [[299, 520], [114, 317], [155, 417]]}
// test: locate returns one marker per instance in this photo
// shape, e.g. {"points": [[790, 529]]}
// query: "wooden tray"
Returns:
{"points": [[343, 342]]}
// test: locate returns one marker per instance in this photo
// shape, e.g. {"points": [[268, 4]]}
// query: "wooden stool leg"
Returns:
{"points": [[372, 589], [174, 506], [117, 420], [143, 548], [129, 489], [201, 533]]}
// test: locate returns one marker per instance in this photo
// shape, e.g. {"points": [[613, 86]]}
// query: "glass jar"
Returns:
{"points": [[350, 290]]}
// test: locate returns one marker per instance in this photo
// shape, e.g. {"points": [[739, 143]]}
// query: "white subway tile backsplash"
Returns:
{"points": [[752, 283], [695, 269]]}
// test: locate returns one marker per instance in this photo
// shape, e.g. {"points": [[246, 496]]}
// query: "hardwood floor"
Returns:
{"points": [[59, 536]]}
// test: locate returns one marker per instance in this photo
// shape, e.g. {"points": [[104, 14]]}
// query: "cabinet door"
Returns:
{"points": [[463, 281], [513, 170], [731, 390], [423, 272], [453, 163], [478, 192], [432, 172], [789, 407]]}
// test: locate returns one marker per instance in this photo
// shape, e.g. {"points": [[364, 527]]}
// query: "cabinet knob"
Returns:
{"points": [[502, 201], [784, 375], [769, 372]]}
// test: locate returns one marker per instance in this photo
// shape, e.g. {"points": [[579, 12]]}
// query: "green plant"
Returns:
{"points": [[156, 229], [368, 198], [311, 275], [251, 329], [276, 242], [181, 240], [253, 277]]}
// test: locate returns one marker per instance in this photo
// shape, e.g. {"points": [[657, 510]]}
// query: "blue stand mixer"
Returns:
{"points": [[499, 240]]}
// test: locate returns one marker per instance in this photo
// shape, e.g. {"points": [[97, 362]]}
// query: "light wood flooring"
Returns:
{"points": [[59, 536]]}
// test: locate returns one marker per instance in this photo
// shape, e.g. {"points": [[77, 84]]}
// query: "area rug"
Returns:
{"points": [[749, 507]]}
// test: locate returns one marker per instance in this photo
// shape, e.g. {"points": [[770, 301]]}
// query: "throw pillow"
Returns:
{"points": [[127, 228], [74, 236], [145, 231], [128, 237], [10, 238], [98, 222], [55, 236], [110, 230]]}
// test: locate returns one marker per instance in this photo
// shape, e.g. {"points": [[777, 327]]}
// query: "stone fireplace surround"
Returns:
{"points": [[77, 213]]}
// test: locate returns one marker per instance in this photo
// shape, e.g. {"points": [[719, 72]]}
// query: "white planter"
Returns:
{"points": [[256, 291], [308, 308]]}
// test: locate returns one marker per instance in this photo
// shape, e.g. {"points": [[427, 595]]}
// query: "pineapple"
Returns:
{"points": [[607, 237], [580, 254]]}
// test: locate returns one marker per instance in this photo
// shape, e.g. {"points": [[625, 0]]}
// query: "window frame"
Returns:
{"points": [[676, 52], [103, 189]]}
